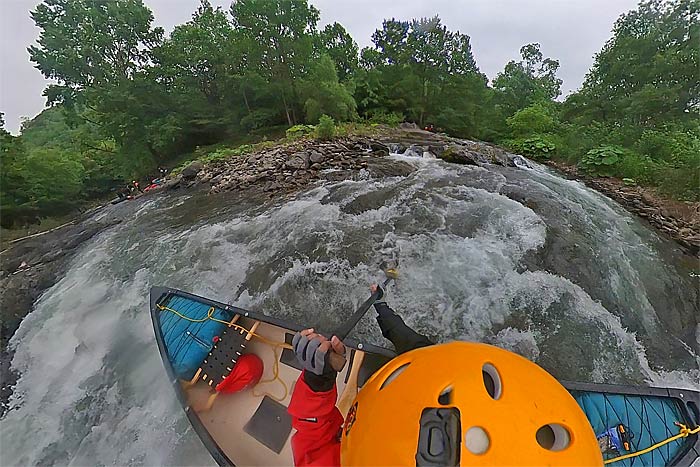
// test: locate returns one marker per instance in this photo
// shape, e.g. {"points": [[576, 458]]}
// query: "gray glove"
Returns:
{"points": [[310, 356]]}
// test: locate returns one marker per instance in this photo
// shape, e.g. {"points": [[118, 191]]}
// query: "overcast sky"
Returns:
{"points": [[570, 31]]}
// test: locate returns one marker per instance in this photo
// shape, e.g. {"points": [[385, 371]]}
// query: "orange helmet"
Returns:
{"points": [[466, 404]]}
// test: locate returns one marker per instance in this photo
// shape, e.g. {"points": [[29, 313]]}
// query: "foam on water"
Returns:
{"points": [[92, 388]]}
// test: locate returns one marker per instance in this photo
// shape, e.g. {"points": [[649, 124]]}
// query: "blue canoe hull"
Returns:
{"points": [[649, 415]]}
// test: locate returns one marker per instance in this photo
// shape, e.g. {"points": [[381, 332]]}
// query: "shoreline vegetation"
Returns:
{"points": [[128, 99]]}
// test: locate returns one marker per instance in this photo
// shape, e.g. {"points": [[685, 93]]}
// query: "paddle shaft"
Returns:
{"points": [[345, 328]]}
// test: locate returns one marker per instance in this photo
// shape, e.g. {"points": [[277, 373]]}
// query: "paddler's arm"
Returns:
{"points": [[394, 328], [312, 407]]}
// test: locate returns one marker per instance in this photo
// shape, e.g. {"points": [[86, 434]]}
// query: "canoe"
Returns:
{"points": [[201, 341]]}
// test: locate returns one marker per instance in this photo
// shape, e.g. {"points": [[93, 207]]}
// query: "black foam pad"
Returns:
{"points": [[270, 424]]}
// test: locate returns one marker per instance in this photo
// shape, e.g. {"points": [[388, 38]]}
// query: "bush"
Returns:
{"points": [[538, 146], [325, 128], [534, 119], [258, 119], [387, 118], [299, 131], [601, 161]]}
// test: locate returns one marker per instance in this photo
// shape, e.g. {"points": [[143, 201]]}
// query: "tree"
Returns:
{"points": [[337, 43], [200, 54], [422, 70], [536, 118], [530, 80], [647, 73], [12, 178], [99, 52], [323, 94], [200, 67], [90, 45], [279, 41]]}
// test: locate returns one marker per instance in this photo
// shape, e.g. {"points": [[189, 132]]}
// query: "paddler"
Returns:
{"points": [[449, 404]]}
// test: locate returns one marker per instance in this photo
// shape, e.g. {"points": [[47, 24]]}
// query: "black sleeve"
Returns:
{"points": [[397, 331]]}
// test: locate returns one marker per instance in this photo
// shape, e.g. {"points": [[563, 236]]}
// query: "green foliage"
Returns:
{"points": [[325, 95], [52, 176], [536, 118], [642, 95], [325, 128], [539, 146], [646, 74], [299, 131], [425, 72], [601, 160], [335, 41], [386, 118], [523, 83], [226, 153]]}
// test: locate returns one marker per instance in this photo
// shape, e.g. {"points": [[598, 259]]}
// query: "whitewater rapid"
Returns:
{"points": [[519, 258]]}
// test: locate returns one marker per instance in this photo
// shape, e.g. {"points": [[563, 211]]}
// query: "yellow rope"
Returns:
{"points": [[684, 432], [275, 346], [275, 376]]}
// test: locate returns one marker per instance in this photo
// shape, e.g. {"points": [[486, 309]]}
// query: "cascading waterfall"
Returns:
{"points": [[519, 258]]}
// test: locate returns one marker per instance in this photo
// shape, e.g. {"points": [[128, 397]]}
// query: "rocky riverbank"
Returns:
{"points": [[289, 167]]}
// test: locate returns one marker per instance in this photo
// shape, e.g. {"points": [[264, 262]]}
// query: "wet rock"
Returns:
{"points": [[29, 267], [460, 155], [414, 151], [172, 183], [379, 149], [191, 171]]}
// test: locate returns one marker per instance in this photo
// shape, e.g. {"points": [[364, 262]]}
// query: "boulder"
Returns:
{"points": [[379, 147], [408, 126], [460, 155], [172, 183], [316, 157], [299, 160], [414, 151], [191, 171]]}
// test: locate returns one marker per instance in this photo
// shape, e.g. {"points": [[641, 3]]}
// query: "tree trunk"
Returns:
{"points": [[286, 110], [245, 99]]}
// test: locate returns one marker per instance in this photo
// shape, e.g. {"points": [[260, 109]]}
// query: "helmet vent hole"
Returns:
{"points": [[553, 437], [492, 381], [393, 375], [445, 397], [476, 440]]}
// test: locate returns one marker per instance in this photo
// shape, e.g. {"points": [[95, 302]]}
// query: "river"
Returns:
{"points": [[516, 257]]}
